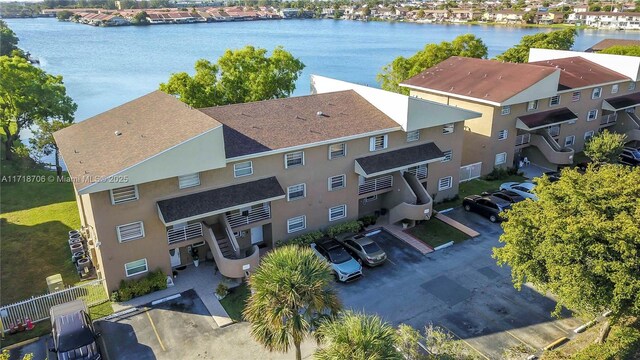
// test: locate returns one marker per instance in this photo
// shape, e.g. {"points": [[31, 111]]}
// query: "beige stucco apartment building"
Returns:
{"points": [[542, 111], [156, 179]]}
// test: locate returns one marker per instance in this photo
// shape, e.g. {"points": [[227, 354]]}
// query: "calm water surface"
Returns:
{"points": [[105, 67]]}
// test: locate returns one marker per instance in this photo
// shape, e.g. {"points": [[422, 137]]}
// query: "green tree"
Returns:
{"points": [[580, 240], [557, 40], [28, 95], [420, 14], [8, 40], [44, 144], [239, 76], [529, 17], [141, 18], [402, 68], [291, 293], [605, 146], [622, 50], [64, 15], [408, 342], [358, 337]]}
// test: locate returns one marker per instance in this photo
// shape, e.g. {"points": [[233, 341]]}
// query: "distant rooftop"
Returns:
{"points": [[577, 72], [607, 43]]}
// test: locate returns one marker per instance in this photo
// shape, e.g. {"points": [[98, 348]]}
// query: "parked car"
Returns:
{"points": [[73, 333], [506, 195], [524, 189], [365, 250], [630, 156], [488, 206], [345, 267], [553, 176]]}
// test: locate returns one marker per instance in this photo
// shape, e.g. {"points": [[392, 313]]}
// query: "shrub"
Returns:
{"points": [[350, 226], [368, 220], [622, 343], [498, 174], [129, 289], [222, 289], [304, 239]]}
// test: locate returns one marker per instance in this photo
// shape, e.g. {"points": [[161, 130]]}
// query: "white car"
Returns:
{"points": [[524, 189]]}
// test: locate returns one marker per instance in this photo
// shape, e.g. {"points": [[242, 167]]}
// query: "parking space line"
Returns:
{"points": [[464, 341], [522, 341], [389, 260], [155, 331]]}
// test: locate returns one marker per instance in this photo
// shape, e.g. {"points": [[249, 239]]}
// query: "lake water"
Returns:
{"points": [[105, 67]]}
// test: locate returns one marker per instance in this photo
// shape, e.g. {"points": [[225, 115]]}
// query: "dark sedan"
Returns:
{"points": [[506, 195], [487, 206]]}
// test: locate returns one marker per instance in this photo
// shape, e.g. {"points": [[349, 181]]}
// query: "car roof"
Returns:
{"points": [[363, 240], [528, 185], [497, 200], [327, 243]]}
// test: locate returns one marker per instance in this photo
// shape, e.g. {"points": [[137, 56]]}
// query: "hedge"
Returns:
{"points": [[353, 226], [306, 239], [129, 289]]}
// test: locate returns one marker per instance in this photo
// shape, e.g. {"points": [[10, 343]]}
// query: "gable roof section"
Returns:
{"points": [[147, 126], [378, 164], [263, 126], [607, 43], [577, 72], [626, 65], [487, 81]]}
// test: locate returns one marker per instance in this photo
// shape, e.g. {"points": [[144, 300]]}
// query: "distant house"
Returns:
{"points": [[464, 15], [607, 43], [548, 17], [610, 20], [504, 16]]}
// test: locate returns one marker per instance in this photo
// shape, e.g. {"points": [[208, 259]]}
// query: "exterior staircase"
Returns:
{"points": [[550, 148], [223, 242]]}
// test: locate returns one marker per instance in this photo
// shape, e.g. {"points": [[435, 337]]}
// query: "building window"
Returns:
{"points": [[132, 231], [413, 135], [124, 194], [296, 224], [337, 182], [596, 93], [294, 159], [592, 114], [588, 135], [448, 129], [378, 142], [243, 169], [569, 140], [369, 199], [506, 110], [136, 267], [502, 134], [337, 212], [187, 181], [445, 183], [448, 155], [632, 86], [532, 105], [615, 88], [295, 192], [575, 96], [554, 100], [501, 158], [337, 150]]}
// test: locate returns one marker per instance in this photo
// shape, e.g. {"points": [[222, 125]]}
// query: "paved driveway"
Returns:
{"points": [[460, 288]]}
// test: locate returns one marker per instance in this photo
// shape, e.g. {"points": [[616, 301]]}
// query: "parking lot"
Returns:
{"points": [[461, 289]]}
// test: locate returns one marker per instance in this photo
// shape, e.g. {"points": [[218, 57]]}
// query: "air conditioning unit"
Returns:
{"points": [[198, 244]]}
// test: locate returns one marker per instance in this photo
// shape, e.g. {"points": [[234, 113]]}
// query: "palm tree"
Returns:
{"points": [[357, 336], [291, 292]]}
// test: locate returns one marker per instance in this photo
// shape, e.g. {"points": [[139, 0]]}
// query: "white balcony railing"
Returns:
{"points": [[379, 183], [248, 217], [188, 232], [419, 171], [523, 139], [608, 119]]}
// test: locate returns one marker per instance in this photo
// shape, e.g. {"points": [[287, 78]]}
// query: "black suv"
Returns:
{"points": [[487, 206], [73, 333]]}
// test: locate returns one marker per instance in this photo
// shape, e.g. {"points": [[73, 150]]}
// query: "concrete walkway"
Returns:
{"points": [[465, 229], [398, 232], [203, 279]]}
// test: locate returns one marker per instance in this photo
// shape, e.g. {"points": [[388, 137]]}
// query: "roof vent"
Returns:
{"points": [[298, 117], [117, 132], [320, 113]]}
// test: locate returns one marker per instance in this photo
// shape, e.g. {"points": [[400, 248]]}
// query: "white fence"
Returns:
{"points": [[188, 232], [37, 308], [470, 172]]}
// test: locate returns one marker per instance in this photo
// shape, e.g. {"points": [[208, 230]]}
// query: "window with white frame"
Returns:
{"points": [[295, 192], [506, 110], [243, 169], [136, 267], [337, 150], [369, 199], [296, 224], [448, 129], [588, 135], [501, 158], [378, 142], [187, 181], [337, 182], [124, 194], [294, 159], [445, 183], [131, 231], [596, 93], [569, 140], [413, 135], [575, 96], [502, 134], [532, 105], [338, 212], [554, 100], [592, 114], [615, 88], [448, 155], [632, 86]]}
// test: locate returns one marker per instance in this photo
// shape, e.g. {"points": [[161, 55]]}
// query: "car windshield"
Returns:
{"points": [[635, 154], [75, 340], [338, 256], [371, 248]]}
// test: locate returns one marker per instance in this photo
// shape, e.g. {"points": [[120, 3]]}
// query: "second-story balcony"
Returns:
{"points": [[184, 233], [609, 119], [523, 139], [375, 184], [245, 217]]}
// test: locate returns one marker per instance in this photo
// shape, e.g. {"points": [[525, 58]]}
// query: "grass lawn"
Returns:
{"points": [[435, 233], [234, 302], [475, 187], [35, 218]]}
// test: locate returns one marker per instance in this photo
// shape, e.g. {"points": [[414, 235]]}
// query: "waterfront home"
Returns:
{"points": [[610, 20], [548, 17], [158, 181]]}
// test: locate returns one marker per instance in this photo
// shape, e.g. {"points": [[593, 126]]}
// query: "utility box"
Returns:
{"points": [[54, 283]]}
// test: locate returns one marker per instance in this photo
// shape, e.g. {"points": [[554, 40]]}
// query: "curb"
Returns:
{"points": [[22, 343], [443, 246]]}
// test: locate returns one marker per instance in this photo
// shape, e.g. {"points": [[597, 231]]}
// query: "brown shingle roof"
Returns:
{"points": [[487, 80], [548, 118], [281, 123], [148, 125], [624, 101], [576, 72], [404, 157], [607, 43]]}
